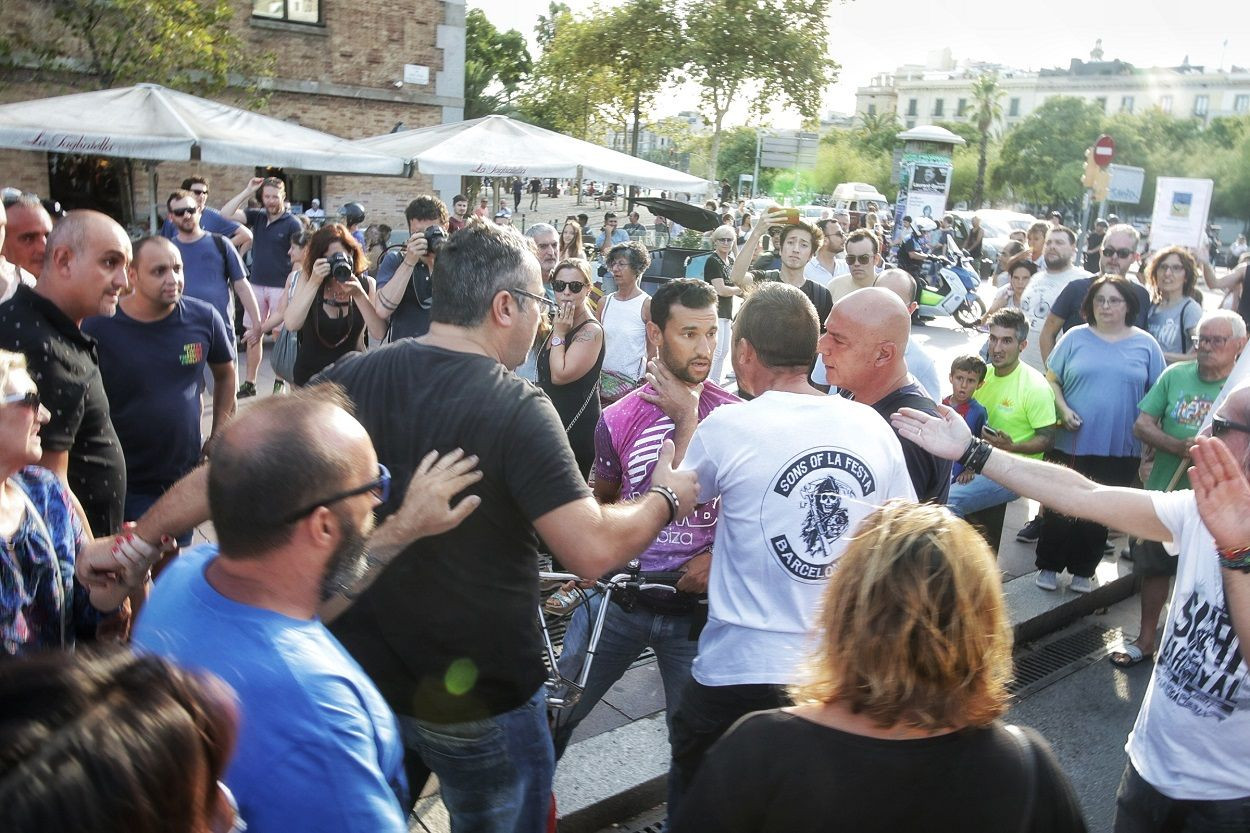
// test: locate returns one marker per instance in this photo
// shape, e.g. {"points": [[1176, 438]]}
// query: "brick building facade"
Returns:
{"points": [[353, 69]]}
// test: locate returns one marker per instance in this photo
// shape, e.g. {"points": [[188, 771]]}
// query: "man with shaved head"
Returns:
{"points": [[863, 351], [153, 354], [83, 274]]}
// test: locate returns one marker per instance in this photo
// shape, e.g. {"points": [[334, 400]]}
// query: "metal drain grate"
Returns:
{"points": [[652, 821], [1040, 665]]}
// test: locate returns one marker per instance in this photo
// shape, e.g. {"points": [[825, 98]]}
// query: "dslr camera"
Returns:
{"points": [[340, 267], [435, 237]]}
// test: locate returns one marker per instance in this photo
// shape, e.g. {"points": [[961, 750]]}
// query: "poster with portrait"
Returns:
{"points": [[1180, 211], [928, 178]]}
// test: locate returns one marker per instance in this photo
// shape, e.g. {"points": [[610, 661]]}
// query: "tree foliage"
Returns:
{"points": [[773, 52], [122, 42], [1043, 156], [495, 63]]}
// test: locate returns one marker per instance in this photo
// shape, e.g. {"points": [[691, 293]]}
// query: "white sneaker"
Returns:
{"points": [[1047, 579], [1081, 584]]}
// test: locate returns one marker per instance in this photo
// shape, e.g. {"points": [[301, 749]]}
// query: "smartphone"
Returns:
{"points": [[993, 432], [792, 215]]}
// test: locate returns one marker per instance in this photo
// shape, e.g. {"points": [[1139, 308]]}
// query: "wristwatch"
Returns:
{"points": [[556, 341]]}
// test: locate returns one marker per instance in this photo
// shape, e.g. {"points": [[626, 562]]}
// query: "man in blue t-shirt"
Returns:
{"points": [[210, 219], [272, 229], [211, 266], [152, 353]]}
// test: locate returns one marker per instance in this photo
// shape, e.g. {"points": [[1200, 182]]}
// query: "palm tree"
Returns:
{"points": [[987, 111]]}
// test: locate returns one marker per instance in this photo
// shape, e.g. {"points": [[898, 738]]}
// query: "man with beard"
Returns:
{"points": [[292, 489], [1057, 272], [683, 327], [797, 244], [828, 263]]}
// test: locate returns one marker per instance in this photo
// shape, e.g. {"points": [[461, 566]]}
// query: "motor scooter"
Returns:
{"points": [[951, 289]]}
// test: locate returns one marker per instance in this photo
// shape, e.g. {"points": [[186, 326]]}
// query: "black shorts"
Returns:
{"points": [[1151, 559]]}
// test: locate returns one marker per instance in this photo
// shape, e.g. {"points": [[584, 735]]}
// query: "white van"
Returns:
{"points": [[856, 198]]}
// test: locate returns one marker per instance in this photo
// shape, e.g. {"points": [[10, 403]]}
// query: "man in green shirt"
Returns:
{"points": [[1020, 408], [1172, 411]]}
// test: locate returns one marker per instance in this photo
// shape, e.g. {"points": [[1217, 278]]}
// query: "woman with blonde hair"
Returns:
{"points": [[897, 727]]}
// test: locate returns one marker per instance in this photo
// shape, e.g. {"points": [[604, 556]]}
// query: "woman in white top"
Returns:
{"points": [[624, 315]]}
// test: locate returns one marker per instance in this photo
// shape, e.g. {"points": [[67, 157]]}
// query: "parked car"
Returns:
{"points": [[996, 225]]}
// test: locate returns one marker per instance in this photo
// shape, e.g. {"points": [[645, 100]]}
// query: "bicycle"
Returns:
{"points": [[621, 588]]}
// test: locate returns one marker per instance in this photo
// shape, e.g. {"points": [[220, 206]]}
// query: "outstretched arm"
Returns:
{"points": [[1056, 487], [1223, 497]]}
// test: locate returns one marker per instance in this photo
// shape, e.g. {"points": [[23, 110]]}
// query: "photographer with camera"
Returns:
{"points": [[333, 302], [404, 289]]}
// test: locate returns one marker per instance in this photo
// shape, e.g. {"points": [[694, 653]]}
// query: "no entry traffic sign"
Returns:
{"points": [[1104, 151]]}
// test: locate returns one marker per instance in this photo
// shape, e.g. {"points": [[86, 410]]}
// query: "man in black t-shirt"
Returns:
{"points": [[450, 634], [84, 273], [797, 245], [1093, 246], [863, 351]]}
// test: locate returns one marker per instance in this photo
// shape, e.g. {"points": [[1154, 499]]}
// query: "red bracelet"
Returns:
{"points": [[1234, 558]]}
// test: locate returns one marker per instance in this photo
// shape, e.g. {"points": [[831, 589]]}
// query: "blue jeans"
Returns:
{"points": [[977, 494], [495, 774], [1140, 808], [625, 635]]}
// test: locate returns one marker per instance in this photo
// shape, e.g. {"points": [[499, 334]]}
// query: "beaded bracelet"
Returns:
{"points": [[1234, 558], [670, 497], [975, 455]]}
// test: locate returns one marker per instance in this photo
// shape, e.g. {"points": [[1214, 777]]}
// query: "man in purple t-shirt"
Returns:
{"points": [[627, 444]]}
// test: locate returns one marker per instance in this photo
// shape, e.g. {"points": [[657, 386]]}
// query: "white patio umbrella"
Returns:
{"points": [[150, 122], [500, 146]]}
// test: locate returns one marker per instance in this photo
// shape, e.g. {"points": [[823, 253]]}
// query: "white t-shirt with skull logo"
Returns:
{"points": [[795, 474]]}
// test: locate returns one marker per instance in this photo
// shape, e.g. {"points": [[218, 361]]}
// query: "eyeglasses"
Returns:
{"points": [[1215, 341], [29, 399], [862, 260], [182, 212], [1120, 253], [547, 303], [1171, 267], [1113, 301], [724, 240], [1221, 426], [571, 286], [381, 489]]}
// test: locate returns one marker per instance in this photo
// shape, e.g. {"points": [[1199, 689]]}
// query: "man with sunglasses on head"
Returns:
{"points": [[212, 266], [210, 219], [1172, 411], [1190, 747], [1118, 253], [292, 488]]}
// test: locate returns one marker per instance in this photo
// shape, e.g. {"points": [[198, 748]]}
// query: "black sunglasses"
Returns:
{"points": [[182, 212], [571, 286], [381, 489], [1221, 426], [864, 260], [29, 399], [1120, 253]]}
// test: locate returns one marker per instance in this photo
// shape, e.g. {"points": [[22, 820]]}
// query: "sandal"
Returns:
{"points": [[1129, 656], [565, 600]]}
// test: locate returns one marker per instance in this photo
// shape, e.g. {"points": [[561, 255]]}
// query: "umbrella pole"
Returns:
{"points": [[578, 185], [151, 166]]}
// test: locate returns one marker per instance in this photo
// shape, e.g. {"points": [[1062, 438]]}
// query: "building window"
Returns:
{"points": [[939, 107], [1201, 103], [911, 106], [1126, 104], [1101, 101], [1165, 103], [1013, 107], [295, 11], [961, 109], [1241, 104], [872, 109]]}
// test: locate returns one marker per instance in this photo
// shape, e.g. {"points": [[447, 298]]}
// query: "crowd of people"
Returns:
{"points": [[767, 433]]}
